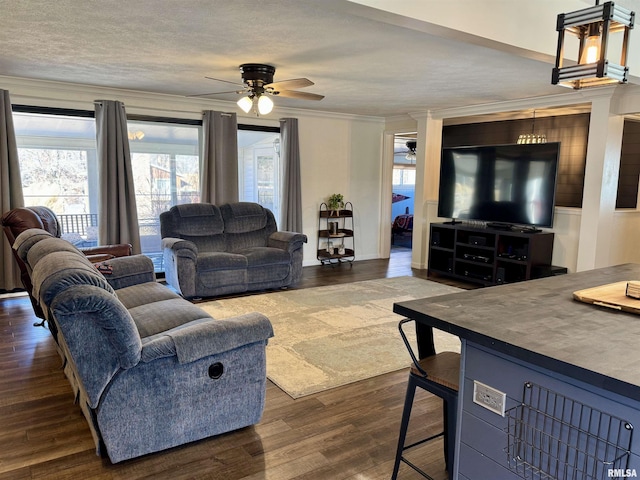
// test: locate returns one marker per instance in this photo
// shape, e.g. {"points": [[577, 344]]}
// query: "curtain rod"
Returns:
{"points": [[224, 114]]}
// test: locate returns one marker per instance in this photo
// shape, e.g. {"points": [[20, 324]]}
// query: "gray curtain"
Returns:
{"points": [[10, 189], [219, 175], [291, 190], [118, 217]]}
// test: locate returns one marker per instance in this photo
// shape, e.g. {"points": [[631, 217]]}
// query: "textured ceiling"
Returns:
{"points": [[362, 63]]}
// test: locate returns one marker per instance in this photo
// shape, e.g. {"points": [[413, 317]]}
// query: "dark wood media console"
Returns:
{"points": [[489, 256]]}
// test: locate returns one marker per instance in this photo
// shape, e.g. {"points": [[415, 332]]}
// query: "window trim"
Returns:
{"points": [[258, 128], [67, 112], [134, 117]]}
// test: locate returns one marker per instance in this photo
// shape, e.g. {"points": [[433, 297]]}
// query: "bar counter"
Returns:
{"points": [[536, 344]]}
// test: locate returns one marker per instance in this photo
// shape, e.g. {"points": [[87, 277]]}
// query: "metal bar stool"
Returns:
{"points": [[439, 375]]}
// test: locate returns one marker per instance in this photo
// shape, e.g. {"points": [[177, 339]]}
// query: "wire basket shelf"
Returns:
{"points": [[551, 436]]}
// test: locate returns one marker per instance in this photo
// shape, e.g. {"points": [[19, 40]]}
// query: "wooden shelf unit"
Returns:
{"points": [[343, 239]]}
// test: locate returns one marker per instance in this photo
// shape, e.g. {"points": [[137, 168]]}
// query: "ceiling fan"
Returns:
{"points": [[409, 151], [258, 86]]}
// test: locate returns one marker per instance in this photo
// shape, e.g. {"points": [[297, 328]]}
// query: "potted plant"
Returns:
{"points": [[335, 203]]}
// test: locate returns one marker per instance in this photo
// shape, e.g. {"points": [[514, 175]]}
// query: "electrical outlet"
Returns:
{"points": [[489, 398]]}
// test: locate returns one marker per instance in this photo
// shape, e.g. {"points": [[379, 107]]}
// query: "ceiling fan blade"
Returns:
{"points": [[300, 95], [288, 84], [215, 93], [225, 81]]}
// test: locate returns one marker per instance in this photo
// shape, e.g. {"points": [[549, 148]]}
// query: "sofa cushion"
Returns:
{"points": [[144, 293], [28, 239], [197, 219], [260, 256], [56, 272], [224, 270], [192, 220], [212, 261], [200, 223], [243, 217], [268, 267], [50, 245], [163, 315]]}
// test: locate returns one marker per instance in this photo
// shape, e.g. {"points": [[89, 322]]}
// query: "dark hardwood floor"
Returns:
{"points": [[344, 433]]}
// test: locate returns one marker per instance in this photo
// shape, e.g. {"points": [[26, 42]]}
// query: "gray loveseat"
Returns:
{"points": [[214, 250], [149, 369]]}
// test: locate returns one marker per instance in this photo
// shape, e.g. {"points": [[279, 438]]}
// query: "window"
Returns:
{"points": [[259, 167], [58, 164], [166, 169], [57, 154]]}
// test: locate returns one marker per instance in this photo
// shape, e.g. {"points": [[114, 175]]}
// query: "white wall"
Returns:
{"points": [[342, 156], [339, 153], [626, 233], [566, 229]]}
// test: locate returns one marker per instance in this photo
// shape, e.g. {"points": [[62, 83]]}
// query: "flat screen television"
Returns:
{"points": [[503, 185]]}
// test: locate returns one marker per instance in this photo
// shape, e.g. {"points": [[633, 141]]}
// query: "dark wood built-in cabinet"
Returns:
{"points": [[489, 256]]}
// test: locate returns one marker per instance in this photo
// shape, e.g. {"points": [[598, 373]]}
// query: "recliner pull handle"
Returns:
{"points": [[216, 370]]}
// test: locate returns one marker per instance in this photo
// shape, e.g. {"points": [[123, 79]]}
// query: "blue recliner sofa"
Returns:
{"points": [[212, 250], [149, 369]]}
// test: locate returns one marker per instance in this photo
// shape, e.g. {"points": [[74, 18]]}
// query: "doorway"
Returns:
{"points": [[403, 193]]}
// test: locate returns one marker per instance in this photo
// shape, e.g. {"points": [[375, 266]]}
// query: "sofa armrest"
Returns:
{"points": [[117, 250], [289, 241], [180, 247], [123, 272], [202, 338]]}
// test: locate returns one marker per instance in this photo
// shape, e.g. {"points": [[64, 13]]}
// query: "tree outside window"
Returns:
{"points": [[58, 167], [166, 169]]}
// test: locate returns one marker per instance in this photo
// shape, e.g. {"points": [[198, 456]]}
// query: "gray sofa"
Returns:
{"points": [[214, 250], [149, 369]]}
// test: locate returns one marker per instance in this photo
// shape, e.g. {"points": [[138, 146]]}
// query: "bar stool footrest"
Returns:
{"points": [[416, 468], [425, 440]]}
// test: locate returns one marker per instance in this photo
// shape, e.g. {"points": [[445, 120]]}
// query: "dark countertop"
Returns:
{"points": [[538, 322]]}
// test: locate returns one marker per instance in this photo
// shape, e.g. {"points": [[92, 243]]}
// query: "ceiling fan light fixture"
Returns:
{"points": [[597, 28], [246, 104], [265, 105], [411, 154], [257, 85], [137, 135]]}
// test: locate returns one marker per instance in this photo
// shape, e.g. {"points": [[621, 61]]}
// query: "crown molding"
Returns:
{"points": [[48, 93], [578, 97]]}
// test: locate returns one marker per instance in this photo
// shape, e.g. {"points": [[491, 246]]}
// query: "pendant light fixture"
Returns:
{"points": [[532, 137], [599, 29]]}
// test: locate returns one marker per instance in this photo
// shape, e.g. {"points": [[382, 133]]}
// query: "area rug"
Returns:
{"points": [[327, 337]]}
